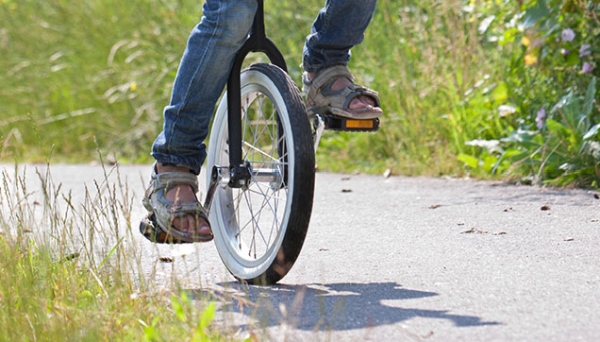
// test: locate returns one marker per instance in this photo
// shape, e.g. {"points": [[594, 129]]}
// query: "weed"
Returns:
{"points": [[66, 273]]}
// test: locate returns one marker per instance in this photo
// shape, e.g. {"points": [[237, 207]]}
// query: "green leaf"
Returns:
{"points": [[520, 136], [208, 315], [555, 128], [510, 35], [469, 161], [592, 132], [506, 158], [588, 103], [535, 13], [150, 334], [500, 93], [178, 309], [569, 107], [489, 163], [110, 253], [573, 58]]}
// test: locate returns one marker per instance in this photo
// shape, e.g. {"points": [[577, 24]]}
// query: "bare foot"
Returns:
{"points": [[189, 224], [359, 102]]}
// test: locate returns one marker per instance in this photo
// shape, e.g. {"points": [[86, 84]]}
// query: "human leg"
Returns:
{"points": [[200, 79], [339, 26]]}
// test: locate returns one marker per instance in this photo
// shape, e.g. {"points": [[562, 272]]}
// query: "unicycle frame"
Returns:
{"points": [[240, 173]]}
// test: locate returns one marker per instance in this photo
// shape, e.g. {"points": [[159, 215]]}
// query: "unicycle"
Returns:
{"points": [[262, 162]]}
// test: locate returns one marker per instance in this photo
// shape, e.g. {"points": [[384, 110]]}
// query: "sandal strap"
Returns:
{"points": [[325, 77], [165, 181]]}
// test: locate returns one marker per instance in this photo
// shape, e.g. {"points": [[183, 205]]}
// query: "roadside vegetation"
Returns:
{"points": [[482, 88], [71, 271], [488, 88]]}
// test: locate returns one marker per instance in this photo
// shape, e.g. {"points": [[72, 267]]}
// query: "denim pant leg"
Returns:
{"points": [[340, 25], [200, 80]]}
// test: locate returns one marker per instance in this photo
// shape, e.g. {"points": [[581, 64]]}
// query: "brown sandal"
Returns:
{"points": [[157, 227], [321, 99]]}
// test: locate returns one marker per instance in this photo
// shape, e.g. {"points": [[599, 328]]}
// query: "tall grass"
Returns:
{"points": [[84, 71], [67, 275], [80, 74], [423, 57]]}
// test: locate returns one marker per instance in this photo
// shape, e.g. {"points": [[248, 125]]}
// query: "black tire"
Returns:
{"points": [[260, 229]]}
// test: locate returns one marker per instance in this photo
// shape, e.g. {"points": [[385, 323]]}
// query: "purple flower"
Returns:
{"points": [[567, 35], [584, 50], [564, 52], [587, 67], [540, 118]]}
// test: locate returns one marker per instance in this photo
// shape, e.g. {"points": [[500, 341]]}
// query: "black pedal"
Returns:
{"points": [[337, 123]]}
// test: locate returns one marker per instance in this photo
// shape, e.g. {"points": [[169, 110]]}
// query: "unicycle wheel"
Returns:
{"points": [[260, 228]]}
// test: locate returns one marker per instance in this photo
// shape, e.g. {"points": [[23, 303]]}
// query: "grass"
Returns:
{"points": [[87, 79], [101, 71], [68, 274]]}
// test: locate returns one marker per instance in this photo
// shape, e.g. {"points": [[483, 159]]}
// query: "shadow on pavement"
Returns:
{"points": [[339, 306]]}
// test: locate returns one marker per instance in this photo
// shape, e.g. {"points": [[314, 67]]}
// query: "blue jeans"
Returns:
{"points": [[210, 51]]}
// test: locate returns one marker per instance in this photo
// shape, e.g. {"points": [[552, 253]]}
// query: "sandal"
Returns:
{"points": [[321, 99], [157, 227]]}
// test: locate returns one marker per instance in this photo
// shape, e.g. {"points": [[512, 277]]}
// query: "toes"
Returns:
{"points": [[361, 102], [204, 229], [356, 103], [178, 223], [368, 100], [190, 225]]}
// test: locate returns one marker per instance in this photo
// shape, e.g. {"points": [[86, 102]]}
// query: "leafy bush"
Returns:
{"points": [[550, 86]]}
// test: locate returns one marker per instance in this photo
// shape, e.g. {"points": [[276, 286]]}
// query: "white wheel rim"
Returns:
{"points": [[249, 237]]}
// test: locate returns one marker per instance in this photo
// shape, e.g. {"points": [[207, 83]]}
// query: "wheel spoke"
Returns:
{"points": [[268, 207]]}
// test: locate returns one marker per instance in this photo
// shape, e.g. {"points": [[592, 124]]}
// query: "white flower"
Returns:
{"points": [[506, 110], [490, 145]]}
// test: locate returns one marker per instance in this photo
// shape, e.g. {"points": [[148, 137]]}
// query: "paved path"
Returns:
{"points": [[406, 259]]}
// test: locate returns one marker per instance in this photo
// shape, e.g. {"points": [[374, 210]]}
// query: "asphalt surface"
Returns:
{"points": [[397, 259]]}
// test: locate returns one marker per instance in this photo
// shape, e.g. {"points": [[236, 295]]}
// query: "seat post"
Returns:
{"points": [[257, 42], [258, 26]]}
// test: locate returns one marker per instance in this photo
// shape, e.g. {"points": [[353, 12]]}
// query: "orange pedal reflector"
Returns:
{"points": [[360, 124]]}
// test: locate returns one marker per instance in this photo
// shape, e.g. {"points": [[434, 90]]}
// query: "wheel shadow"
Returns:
{"points": [[337, 306]]}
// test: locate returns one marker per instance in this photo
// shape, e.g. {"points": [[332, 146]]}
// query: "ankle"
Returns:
{"points": [[340, 83], [337, 84], [171, 168]]}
